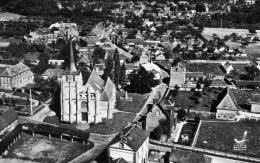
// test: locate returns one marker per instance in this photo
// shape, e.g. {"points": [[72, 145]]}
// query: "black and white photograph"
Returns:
{"points": [[129, 81]]}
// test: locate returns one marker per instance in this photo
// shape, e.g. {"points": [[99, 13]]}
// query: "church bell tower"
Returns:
{"points": [[71, 84]]}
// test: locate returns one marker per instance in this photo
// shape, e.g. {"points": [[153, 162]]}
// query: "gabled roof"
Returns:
{"points": [[12, 70], [133, 136], [229, 102], [108, 90], [7, 117], [95, 81]]}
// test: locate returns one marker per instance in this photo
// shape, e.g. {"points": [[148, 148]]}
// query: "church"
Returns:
{"points": [[85, 103]]}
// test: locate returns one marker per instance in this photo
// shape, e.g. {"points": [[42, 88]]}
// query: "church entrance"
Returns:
{"points": [[84, 109], [84, 116]]}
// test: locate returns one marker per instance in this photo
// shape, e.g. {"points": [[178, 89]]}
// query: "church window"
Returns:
{"points": [[157, 113], [92, 96], [84, 116], [73, 78]]}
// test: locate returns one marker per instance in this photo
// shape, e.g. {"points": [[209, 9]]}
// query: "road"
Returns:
{"points": [[100, 143]]}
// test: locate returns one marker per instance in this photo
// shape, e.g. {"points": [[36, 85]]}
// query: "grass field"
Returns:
{"points": [[133, 106], [114, 125], [220, 136], [204, 102], [42, 149], [188, 129]]}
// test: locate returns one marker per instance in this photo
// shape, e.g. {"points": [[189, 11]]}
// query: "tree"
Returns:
{"points": [[252, 72], [141, 81], [116, 67], [198, 86], [252, 29], [234, 75], [200, 7], [122, 75], [13, 103], [156, 134], [181, 113], [98, 54]]}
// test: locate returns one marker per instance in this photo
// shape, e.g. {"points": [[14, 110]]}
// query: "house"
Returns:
{"points": [[227, 109], [178, 76], [8, 120], [237, 104], [255, 103], [144, 59], [15, 75], [88, 102], [56, 62], [250, 2], [131, 144]]}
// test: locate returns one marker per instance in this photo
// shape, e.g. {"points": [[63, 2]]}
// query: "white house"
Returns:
{"points": [[227, 66], [56, 62], [15, 76], [131, 144], [227, 109]]}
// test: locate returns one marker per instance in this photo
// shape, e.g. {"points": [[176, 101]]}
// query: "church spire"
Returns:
{"points": [[71, 67]]}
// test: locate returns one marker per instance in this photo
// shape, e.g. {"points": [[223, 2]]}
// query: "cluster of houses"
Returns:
{"points": [[93, 100]]}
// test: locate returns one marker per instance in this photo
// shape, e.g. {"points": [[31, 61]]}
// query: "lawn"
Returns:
{"points": [[220, 136], [205, 101], [41, 149], [106, 127], [114, 125], [133, 106], [253, 50], [188, 129]]}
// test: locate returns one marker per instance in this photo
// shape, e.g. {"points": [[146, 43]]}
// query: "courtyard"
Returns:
{"points": [[41, 149]]}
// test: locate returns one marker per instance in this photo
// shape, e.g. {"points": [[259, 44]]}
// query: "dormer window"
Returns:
{"points": [[121, 145]]}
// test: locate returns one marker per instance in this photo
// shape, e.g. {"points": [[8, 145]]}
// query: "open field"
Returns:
{"points": [[133, 106], [205, 101]]}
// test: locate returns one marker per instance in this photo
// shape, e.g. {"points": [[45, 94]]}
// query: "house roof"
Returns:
{"points": [[12, 70], [108, 90], [133, 136], [7, 116], [95, 81], [240, 98], [205, 68]]}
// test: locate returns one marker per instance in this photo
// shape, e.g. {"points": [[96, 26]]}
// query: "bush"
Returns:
{"points": [[156, 134]]}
